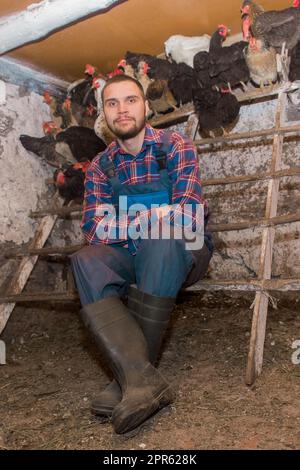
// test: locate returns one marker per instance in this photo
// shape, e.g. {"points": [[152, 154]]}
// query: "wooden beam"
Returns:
{"points": [[250, 285], [249, 135], [39, 20], [66, 210], [41, 297], [259, 319], [293, 171], [243, 97]]}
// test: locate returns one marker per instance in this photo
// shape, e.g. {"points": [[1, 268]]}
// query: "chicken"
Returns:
{"points": [[83, 142], [183, 48], [102, 131], [158, 68], [201, 69], [56, 115], [215, 110], [275, 27], [159, 97], [227, 66], [69, 181], [45, 148], [141, 75], [181, 82], [261, 62]]}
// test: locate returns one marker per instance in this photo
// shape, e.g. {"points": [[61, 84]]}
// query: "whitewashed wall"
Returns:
{"points": [[23, 188]]}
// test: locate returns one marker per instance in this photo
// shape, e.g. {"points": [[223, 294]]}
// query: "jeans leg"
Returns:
{"points": [[162, 266], [102, 271]]}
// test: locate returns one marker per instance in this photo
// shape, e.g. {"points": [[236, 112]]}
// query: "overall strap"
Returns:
{"points": [[107, 166], [163, 150]]}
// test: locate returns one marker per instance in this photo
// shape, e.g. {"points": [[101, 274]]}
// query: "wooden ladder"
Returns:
{"points": [[260, 286]]}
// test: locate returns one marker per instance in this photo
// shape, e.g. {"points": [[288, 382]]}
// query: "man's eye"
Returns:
{"points": [[132, 100], [111, 104]]}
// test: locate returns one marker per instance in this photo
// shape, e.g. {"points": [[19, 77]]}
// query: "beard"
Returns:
{"points": [[129, 133]]}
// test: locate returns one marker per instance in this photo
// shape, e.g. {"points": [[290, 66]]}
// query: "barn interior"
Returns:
{"points": [[232, 349]]}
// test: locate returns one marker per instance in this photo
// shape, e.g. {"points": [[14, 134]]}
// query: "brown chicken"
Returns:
{"points": [[274, 27], [261, 62], [160, 97]]}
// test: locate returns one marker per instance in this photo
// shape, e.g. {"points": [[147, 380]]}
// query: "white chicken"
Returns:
{"points": [[183, 48]]}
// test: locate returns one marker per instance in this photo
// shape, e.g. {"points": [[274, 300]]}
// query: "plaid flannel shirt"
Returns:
{"points": [[183, 171]]}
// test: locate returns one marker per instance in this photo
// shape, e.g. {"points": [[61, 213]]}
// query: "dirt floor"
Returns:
{"points": [[53, 371]]}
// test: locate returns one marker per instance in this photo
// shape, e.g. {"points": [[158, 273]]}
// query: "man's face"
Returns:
{"points": [[125, 109]]}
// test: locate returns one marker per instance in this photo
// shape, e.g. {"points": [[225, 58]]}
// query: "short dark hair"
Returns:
{"points": [[122, 78]]}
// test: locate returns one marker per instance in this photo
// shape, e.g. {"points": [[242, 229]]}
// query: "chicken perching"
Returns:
{"points": [[261, 62], [215, 110], [160, 97], [69, 181], [183, 48], [276, 28]]}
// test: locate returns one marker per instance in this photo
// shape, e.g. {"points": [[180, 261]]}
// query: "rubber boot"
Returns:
{"points": [[152, 313], [144, 390]]}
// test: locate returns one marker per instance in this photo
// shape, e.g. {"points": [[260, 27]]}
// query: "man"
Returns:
{"points": [[141, 168]]}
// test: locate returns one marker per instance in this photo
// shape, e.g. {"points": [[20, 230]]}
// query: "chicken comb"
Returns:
{"points": [[67, 103], [95, 83], [49, 127], [145, 68], [89, 69], [122, 63], [296, 3], [47, 97]]}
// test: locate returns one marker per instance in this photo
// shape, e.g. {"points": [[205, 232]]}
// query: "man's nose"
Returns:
{"points": [[122, 108]]}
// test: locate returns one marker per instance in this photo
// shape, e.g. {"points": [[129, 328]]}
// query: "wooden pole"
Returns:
{"points": [[259, 319]]}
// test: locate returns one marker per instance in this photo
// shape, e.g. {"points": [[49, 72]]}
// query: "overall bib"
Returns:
{"points": [[160, 266]]}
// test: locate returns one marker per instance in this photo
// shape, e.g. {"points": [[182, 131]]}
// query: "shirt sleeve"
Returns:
{"points": [[100, 223], [188, 204]]}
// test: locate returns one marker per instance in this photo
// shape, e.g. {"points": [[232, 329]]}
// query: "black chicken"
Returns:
{"points": [[181, 82], [201, 69], [69, 181], [227, 66], [83, 142], [274, 27], [43, 147], [215, 110], [159, 69]]}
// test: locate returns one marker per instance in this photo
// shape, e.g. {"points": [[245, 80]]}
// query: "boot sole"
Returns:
{"points": [[139, 415]]}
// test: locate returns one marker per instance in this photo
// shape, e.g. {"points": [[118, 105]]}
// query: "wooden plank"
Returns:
{"points": [[41, 297], [294, 171], [65, 210], [26, 266], [259, 319], [251, 95], [249, 135], [249, 285], [243, 225], [191, 126]]}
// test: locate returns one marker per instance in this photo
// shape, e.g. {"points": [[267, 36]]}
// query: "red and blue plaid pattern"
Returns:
{"points": [[183, 170]]}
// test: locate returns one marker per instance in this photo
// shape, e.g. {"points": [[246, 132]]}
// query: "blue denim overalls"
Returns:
{"points": [[159, 267]]}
